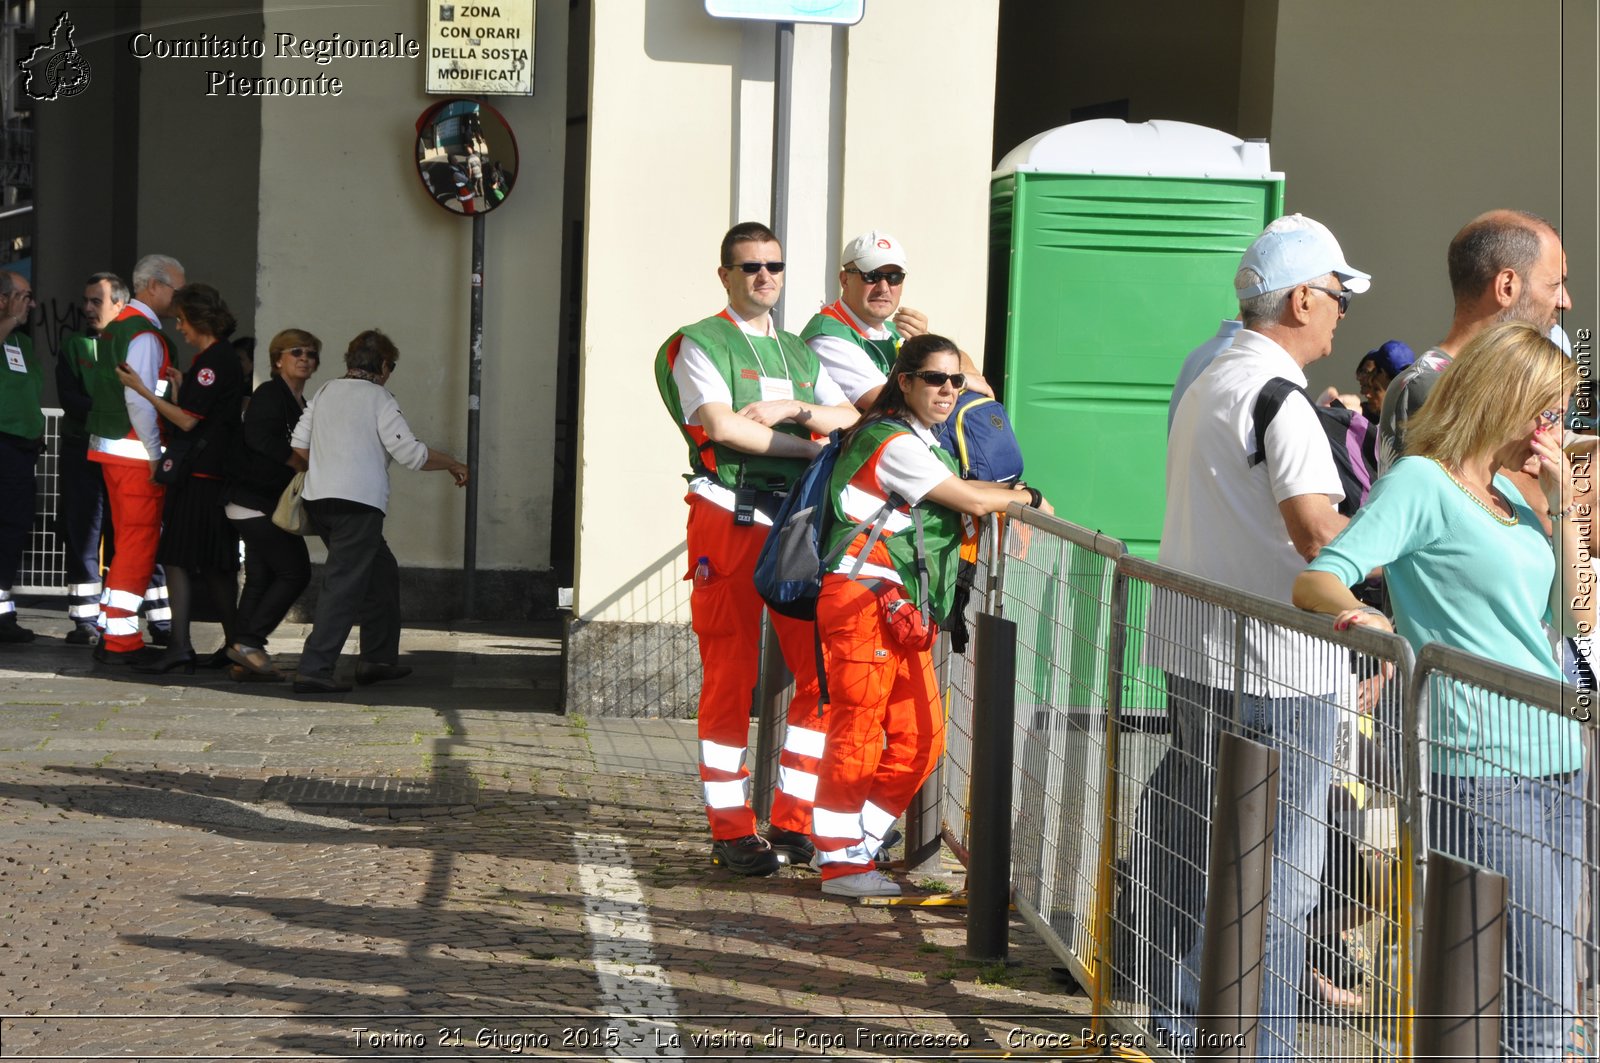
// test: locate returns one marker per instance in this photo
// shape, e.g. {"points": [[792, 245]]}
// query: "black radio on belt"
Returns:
{"points": [[744, 505]]}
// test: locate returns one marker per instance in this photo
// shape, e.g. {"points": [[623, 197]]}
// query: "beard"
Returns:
{"points": [[1526, 310]]}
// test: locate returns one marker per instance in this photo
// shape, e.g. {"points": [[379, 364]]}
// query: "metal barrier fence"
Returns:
{"points": [[1126, 674], [44, 561], [1058, 589], [1506, 768], [1202, 660]]}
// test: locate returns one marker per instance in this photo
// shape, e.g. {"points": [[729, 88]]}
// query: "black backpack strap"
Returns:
{"points": [[1268, 402]]}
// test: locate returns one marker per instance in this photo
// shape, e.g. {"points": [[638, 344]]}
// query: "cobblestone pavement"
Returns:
{"points": [[442, 867]]}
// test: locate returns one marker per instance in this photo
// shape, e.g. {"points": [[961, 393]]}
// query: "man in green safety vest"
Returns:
{"points": [[21, 439], [750, 401], [856, 336]]}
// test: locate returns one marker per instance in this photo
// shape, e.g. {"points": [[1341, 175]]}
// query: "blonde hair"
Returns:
{"points": [[291, 337], [1504, 378]]}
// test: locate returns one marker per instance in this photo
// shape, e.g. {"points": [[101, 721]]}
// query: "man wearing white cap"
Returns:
{"points": [[1252, 522], [857, 335]]}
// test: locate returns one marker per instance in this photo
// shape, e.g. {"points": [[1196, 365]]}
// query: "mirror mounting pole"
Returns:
{"points": [[469, 583]]}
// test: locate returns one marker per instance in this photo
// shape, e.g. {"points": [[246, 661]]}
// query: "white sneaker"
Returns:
{"points": [[866, 884]]}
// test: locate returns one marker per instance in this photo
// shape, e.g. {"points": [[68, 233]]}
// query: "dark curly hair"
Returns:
{"points": [[202, 307], [372, 352]]}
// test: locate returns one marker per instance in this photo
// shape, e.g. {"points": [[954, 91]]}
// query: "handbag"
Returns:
{"points": [[290, 513], [176, 459]]}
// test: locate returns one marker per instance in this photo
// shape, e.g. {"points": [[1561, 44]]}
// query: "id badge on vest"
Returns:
{"points": [[14, 359], [776, 387]]}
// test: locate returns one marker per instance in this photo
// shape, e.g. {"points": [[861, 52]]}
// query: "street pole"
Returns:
{"points": [[782, 128], [469, 583]]}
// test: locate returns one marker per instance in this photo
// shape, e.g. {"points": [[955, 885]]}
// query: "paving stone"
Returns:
{"points": [[142, 876]]}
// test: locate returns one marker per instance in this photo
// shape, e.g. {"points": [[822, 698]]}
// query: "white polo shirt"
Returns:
{"points": [[1223, 522]]}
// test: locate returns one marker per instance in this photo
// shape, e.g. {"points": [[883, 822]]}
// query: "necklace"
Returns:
{"points": [[1509, 522]]}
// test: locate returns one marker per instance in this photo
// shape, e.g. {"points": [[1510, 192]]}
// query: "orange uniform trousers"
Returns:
{"points": [[726, 611], [136, 516], [885, 728]]}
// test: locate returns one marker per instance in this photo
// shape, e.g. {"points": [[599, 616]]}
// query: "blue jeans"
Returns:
{"points": [[1530, 831], [1175, 813]]}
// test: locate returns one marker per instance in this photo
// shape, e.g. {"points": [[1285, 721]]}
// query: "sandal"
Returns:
{"points": [[251, 658], [1577, 1049]]}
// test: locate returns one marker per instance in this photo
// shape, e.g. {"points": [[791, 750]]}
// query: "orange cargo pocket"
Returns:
{"points": [[714, 607], [861, 675]]}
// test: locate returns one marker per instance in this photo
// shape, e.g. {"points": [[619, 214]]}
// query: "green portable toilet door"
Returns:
{"points": [[1112, 281]]}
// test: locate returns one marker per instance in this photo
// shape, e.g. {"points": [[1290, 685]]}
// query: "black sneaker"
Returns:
{"points": [[11, 631], [791, 846], [160, 636], [83, 634], [750, 855]]}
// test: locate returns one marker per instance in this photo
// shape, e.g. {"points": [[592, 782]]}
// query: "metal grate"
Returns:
{"points": [[44, 560], [370, 792]]}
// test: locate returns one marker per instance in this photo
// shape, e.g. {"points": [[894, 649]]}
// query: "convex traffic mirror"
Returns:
{"points": [[466, 156]]}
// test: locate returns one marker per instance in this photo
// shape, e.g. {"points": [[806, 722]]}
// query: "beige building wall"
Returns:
{"points": [[1395, 128], [350, 240], [679, 148]]}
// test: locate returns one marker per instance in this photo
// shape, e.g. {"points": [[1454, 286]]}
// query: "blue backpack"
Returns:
{"points": [[790, 566], [979, 435]]}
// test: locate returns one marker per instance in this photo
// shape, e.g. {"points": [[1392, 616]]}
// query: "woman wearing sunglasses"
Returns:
{"points": [[877, 612], [1469, 565], [277, 565]]}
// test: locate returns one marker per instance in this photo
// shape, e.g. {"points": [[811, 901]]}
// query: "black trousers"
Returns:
{"points": [[360, 585], [17, 505], [277, 568], [83, 510]]}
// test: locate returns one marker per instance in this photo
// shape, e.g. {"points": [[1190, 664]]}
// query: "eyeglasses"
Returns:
{"points": [[752, 268], [893, 276], [1552, 417], [937, 379], [28, 295], [1342, 297], [303, 352]]}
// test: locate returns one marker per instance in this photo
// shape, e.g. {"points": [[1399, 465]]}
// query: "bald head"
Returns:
{"points": [[1508, 265], [1495, 240]]}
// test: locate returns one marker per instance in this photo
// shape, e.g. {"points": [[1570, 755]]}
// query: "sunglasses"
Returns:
{"points": [[936, 379], [303, 352], [893, 276], [752, 268], [1343, 298]]}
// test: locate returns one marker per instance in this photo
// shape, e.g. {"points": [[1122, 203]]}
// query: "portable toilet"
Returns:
{"points": [[1113, 249]]}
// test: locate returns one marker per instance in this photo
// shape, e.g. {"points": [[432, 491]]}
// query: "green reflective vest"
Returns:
{"points": [[21, 392], [108, 419], [831, 321], [742, 360], [856, 475]]}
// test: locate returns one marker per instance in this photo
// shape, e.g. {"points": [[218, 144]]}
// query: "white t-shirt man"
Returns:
{"points": [[1223, 522], [699, 382]]}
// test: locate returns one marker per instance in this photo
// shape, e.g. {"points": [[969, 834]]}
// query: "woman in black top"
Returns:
{"points": [[277, 565], [197, 542]]}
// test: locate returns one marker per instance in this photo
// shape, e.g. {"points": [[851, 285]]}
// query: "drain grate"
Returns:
{"points": [[370, 792]]}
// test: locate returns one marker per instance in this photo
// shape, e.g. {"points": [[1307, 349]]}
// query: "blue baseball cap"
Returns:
{"points": [[1391, 357], [1294, 250]]}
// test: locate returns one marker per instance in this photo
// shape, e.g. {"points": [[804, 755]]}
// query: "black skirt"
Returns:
{"points": [[195, 534]]}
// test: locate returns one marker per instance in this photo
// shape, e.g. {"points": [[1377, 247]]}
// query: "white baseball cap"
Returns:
{"points": [[873, 250], [1293, 250]]}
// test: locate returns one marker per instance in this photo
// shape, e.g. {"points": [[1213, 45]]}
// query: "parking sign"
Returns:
{"points": [[836, 12]]}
